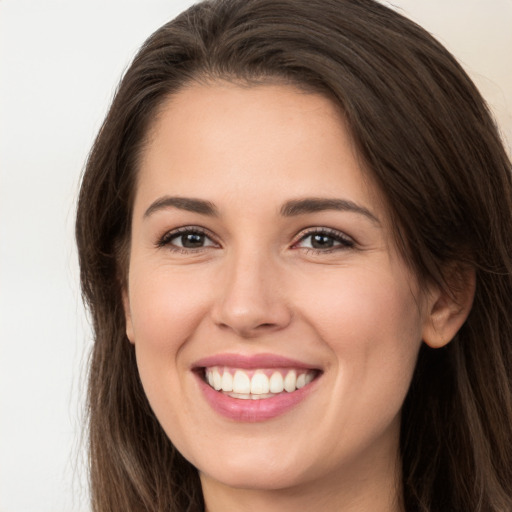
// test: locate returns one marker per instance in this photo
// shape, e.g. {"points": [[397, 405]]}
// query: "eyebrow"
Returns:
{"points": [[291, 208], [188, 204], [313, 204]]}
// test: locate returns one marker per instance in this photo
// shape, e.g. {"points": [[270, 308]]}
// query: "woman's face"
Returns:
{"points": [[275, 325]]}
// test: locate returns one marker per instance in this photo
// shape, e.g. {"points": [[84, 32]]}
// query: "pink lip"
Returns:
{"points": [[251, 410], [251, 362]]}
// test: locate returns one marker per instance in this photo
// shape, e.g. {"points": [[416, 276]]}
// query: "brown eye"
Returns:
{"points": [[322, 241], [325, 240], [192, 240], [185, 238]]}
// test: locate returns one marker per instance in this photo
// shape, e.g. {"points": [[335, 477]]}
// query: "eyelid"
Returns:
{"points": [[346, 241], [168, 236]]}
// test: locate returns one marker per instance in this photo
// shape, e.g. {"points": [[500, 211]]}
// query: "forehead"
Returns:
{"points": [[251, 141]]}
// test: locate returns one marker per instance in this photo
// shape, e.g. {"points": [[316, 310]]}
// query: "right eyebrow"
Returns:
{"points": [[188, 204]]}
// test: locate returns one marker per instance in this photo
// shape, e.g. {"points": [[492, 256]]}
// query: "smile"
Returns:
{"points": [[259, 383], [254, 388]]}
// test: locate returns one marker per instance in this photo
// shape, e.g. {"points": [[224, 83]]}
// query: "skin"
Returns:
{"points": [[258, 286]]}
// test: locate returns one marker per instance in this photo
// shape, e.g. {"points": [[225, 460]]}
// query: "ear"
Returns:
{"points": [[447, 310], [128, 316]]}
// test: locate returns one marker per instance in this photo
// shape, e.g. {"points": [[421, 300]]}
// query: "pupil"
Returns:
{"points": [[192, 240], [321, 241]]}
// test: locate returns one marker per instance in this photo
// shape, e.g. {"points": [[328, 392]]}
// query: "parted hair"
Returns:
{"points": [[426, 138]]}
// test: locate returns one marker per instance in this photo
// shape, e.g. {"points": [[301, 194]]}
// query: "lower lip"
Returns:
{"points": [[251, 410]]}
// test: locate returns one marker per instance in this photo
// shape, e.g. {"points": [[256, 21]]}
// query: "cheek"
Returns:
{"points": [[166, 309], [365, 303], [166, 306], [372, 324]]}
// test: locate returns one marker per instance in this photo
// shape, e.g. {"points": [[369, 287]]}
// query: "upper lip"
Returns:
{"points": [[251, 362]]}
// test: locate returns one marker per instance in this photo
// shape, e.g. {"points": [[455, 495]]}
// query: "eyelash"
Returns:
{"points": [[167, 239], [344, 242]]}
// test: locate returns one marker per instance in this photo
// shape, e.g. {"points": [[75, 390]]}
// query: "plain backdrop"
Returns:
{"points": [[60, 62]]}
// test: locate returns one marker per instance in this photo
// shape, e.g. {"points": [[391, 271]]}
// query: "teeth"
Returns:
{"points": [[217, 381], [259, 384], [240, 395], [241, 382], [250, 397], [227, 381], [240, 385], [290, 381], [276, 383], [301, 381]]}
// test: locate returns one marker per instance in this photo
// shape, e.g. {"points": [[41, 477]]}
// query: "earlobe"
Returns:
{"points": [[128, 316], [447, 310]]}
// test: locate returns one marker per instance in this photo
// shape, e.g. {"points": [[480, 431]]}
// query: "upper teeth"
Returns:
{"points": [[262, 382]]}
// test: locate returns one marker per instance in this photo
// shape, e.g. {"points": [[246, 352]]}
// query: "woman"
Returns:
{"points": [[294, 232]]}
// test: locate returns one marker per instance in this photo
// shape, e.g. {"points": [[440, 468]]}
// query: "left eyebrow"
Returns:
{"points": [[314, 204]]}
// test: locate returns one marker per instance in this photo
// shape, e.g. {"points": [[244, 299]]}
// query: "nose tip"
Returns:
{"points": [[251, 322], [251, 302]]}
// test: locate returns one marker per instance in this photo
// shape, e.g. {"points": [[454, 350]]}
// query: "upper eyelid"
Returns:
{"points": [[323, 230], [166, 237], [303, 233]]}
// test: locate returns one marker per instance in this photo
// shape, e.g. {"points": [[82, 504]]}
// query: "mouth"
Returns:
{"points": [[254, 388], [257, 384]]}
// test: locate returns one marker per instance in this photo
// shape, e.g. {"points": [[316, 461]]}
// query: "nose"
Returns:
{"points": [[251, 300]]}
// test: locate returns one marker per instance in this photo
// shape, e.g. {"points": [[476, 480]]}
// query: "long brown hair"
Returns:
{"points": [[427, 139]]}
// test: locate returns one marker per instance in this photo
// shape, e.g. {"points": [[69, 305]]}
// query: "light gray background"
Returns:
{"points": [[60, 62]]}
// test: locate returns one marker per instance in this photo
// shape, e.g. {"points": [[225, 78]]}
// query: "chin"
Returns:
{"points": [[262, 477], [264, 466]]}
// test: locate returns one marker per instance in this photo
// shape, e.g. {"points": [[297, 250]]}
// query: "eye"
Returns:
{"points": [[324, 240], [186, 238]]}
